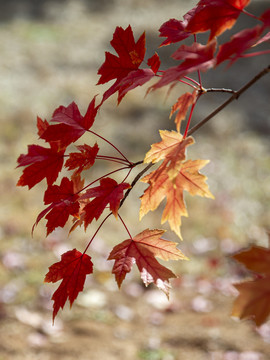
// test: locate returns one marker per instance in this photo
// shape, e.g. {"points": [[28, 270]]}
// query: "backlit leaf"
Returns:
{"points": [[142, 250], [40, 163], [72, 270]]}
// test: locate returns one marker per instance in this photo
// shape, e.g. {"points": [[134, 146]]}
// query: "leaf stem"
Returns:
{"points": [[101, 177], [190, 116], [198, 72], [125, 226], [113, 159], [233, 97], [92, 238], [107, 141], [135, 180]]}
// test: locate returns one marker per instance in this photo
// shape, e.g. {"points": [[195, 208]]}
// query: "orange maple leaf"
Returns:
{"points": [[161, 185], [142, 250], [172, 149], [181, 107], [253, 301]]}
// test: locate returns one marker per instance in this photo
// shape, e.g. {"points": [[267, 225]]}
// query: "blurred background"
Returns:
{"points": [[50, 54]]}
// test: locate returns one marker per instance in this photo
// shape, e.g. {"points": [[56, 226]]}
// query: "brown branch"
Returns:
{"points": [[135, 180], [234, 96]]}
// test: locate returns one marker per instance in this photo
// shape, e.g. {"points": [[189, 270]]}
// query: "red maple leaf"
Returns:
{"points": [[108, 192], [72, 269], [239, 43], [130, 56], [72, 124], [63, 202], [82, 160], [138, 77], [195, 57], [142, 250], [215, 15], [41, 163], [42, 125]]}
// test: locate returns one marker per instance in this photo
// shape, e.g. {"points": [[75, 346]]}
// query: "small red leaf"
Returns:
{"points": [[195, 57], [174, 31], [132, 80], [72, 124], [238, 44], [41, 163], [108, 192], [154, 62], [63, 202], [82, 160], [72, 269]]}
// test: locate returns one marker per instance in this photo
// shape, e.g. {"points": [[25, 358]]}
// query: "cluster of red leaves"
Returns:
{"points": [[86, 203]]}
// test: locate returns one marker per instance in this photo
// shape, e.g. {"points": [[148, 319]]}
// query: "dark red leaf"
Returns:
{"points": [[63, 202], [82, 160], [130, 56], [41, 163], [154, 63], [238, 44], [72, 269], [195, 57], [72, 124], [135, 78], [174, 31], [108, 192]]}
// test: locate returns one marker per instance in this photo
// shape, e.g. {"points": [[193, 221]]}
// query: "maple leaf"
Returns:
{"points": [[181, 107], [63, 202], [253, 301], [160, 186], [108, 192], [154, 63], [256, 258], [83, 160], [132, 80], [174, 31], [265, 18], [42, 125], [142, 250], [238, 44], [130, 56], [72, 124], [72, 269], [172, 149], [215, 15], [138, 77], [40, 163], [195, 57]]}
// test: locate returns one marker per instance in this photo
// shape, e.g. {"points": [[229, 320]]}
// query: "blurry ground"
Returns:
{"points": [[50, 54]]}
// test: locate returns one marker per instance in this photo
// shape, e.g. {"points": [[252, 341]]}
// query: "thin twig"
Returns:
{"points": [[234, 96], [136, 179], [219, 90]]}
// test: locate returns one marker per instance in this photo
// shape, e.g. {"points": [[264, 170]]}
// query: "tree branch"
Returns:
{"points": [[135, 180], [234, 96]]}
